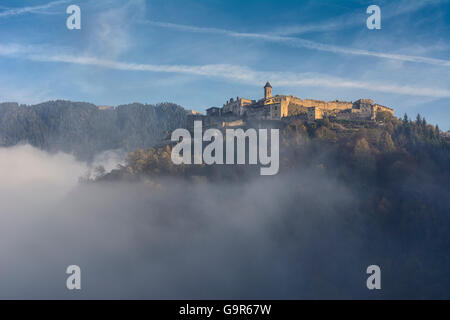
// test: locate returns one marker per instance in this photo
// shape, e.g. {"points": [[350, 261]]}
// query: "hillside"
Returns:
{"points": [[84, 129], [368, 193], [364, 147]]}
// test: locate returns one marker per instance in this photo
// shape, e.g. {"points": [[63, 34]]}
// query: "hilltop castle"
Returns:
{"points": [[282, 107]]}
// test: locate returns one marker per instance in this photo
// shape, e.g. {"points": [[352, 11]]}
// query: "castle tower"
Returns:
{"points": [[267, 91]]}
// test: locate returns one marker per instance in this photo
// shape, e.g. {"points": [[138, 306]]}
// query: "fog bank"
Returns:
{"points": [[283, 237]]}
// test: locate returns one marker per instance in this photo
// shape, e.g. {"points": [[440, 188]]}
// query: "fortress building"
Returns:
{"points": [[280, 107]]}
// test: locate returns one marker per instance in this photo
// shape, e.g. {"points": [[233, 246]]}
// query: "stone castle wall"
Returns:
{"points": [[329, 106], [236, 106], [281, 106]]}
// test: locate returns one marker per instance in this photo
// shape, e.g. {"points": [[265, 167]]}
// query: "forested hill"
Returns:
{"points": [[347, 195], [83, 129]]}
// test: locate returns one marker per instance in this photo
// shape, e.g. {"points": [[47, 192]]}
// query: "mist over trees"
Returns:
{"points": [[348, 195], [389, 198], [84, 130]]}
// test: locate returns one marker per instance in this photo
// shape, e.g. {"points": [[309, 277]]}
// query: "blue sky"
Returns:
{"points": [[200, 53]]}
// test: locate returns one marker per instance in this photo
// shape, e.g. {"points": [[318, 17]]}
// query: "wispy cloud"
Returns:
{"points": [[112, 36], [31, 9], [225, 71], [357, 18], [302, 43]]}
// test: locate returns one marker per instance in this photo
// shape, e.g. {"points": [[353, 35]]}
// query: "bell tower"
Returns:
{"points": [[267, 91]]}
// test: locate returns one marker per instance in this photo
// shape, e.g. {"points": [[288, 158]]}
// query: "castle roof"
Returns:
{"points": [[267, 85]]}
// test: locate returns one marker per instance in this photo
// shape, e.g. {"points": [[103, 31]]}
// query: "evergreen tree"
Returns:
{"points": [[405, 119], [386, 143]]}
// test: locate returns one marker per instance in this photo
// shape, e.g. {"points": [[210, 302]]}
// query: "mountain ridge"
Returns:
{"points": [[84, 129]]}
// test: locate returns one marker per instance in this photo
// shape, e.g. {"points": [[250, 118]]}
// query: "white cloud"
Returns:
{"points": [[303, 43], [356, 18], [237, 73], [112, 35], [31, 9], [249, 76]]}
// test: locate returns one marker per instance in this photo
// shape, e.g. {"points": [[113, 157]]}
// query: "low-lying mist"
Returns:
{"points": [[284, 237]]}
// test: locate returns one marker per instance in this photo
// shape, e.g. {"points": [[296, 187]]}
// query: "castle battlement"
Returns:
{"points": [[281, 106]]}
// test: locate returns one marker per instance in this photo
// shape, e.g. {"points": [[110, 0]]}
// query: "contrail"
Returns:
{"points": [[31, 9], [224, 71], [357, 17], [249, 76], [302, 43]]}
